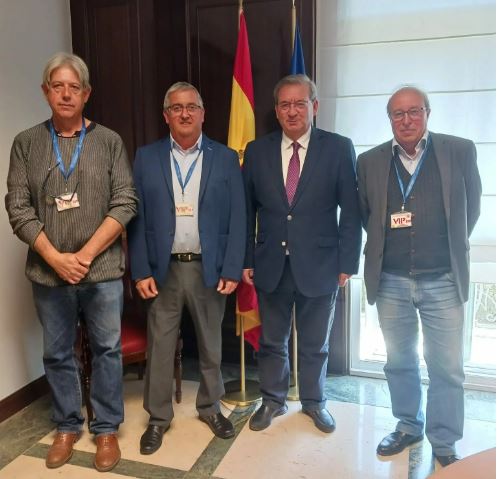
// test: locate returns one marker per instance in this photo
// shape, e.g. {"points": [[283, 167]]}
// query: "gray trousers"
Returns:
{"points": [[184, 285]]}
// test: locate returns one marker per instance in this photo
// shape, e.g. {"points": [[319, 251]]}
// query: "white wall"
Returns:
{"points": [[30, 32], [366, 49]]}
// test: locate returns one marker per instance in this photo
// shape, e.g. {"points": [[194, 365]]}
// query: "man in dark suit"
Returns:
{"points": [[186, 247], [420, 200], [295, 180]]}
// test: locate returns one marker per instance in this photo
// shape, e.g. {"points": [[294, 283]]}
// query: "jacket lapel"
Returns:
{"points": [[442, 155], [207, 158], [164, 158], [311, 159], [382, 168], [275, 170]]}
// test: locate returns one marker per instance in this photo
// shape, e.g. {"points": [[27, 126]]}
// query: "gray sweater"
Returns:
{"points": [[104, 186]]}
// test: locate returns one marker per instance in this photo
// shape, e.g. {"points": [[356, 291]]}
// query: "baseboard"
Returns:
{"points": [[23, 397]]}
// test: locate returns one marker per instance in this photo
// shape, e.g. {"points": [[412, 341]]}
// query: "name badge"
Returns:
{"points": [[401, 220], [184, 209], [67, 201]]}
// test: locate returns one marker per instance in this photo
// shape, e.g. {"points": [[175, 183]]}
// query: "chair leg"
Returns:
{"points": [[141, 369], [178, 368]]}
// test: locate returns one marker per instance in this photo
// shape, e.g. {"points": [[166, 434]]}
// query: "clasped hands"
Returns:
{"points": [[72, 267]]}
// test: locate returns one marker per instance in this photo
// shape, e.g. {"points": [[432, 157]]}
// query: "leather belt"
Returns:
{"points": [[186, 257]]}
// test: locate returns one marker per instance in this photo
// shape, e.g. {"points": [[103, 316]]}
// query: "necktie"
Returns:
{"points": [[292, 176]]}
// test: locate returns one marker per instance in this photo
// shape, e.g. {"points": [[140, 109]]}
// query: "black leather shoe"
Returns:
{"points": [[396, 442], [151, 439], [447, 460], [322, 418], [264, 415], [220, 425]]}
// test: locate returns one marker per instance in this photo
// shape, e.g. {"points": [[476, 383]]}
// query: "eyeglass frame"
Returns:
{"points": [[299, 105], [191, 109], [412, 113]]}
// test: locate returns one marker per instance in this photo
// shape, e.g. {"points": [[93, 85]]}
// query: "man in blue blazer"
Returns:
{"points": [[420, 200], [300, 250], [186, 248]]}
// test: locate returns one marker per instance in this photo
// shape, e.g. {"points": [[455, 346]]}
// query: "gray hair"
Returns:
{"points": [[413, 89], [63, 59], [296, 80], [181, 86]]}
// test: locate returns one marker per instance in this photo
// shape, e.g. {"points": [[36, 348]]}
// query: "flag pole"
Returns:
{"points": [[293, 391], [294, 22], [241, 392]]}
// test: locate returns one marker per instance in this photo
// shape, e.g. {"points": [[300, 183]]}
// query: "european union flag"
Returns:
{"points": [[298, 65]]}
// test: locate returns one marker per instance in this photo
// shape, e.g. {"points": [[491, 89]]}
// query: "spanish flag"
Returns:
{"points": [[241, 131]]}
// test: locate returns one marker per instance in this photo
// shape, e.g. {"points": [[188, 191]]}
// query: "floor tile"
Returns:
{"points": [[182, 444], [293, 448], [25, 467]]}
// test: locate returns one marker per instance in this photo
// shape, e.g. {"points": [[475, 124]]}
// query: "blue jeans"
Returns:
{"points": [[58, 310], [442, 318]]}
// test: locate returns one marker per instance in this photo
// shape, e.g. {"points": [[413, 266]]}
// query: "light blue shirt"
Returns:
{"points": [[186, 238]]}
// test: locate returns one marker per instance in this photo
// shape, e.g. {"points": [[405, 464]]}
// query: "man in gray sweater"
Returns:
{"points": [[70, 195]]}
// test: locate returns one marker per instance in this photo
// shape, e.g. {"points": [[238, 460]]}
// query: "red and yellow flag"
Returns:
{"points": [[241, 131]]}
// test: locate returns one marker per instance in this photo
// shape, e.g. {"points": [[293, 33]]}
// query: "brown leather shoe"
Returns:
{"points": [[108, 452], [61, 449]]}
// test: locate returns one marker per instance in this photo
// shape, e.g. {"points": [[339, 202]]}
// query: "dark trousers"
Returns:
{"points": [[184, 285], [314, 317]]}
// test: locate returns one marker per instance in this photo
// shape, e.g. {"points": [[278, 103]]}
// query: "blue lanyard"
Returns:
{"points": [[76, 152], [407, 191], [188, 174]]}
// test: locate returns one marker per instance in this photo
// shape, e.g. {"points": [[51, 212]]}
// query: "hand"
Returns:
{"points": [[343, 278], [226, 286], [69, 267], [147, 289], [248, 276]]}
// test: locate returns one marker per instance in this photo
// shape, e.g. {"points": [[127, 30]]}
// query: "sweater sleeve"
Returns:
{"points": [[18, 200]]}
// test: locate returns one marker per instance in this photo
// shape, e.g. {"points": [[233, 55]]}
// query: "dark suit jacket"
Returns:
{"points": [[320, 245], [461, 189], [221, 219]]}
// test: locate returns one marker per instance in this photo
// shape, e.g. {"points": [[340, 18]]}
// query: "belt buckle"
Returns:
{"points": [[185, 257]]}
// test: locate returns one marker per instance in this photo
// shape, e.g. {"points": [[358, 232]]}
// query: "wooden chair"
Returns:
{"points": [[133, 340]]}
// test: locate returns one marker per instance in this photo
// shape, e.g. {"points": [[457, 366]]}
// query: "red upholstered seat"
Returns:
{"points": [[133, 338]]}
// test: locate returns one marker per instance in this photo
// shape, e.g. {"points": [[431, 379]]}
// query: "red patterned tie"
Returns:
{"points": [[292, 177]]}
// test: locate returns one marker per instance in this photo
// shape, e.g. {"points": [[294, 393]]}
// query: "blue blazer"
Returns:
{"points": [[221, 220], [321, 245]]}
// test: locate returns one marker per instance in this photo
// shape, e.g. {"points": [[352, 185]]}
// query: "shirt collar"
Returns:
{"points": [[303, 141], [197, 146], [420, 146]]}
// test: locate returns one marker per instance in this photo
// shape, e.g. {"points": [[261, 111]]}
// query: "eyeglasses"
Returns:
{"points": [[177, 109], [412, 113], [300, 105]]}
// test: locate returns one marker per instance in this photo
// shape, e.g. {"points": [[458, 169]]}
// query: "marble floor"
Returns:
{"points": [[292, 448]]}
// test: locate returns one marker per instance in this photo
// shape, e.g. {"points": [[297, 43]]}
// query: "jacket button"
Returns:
{"points": [[283, 243], [289, 217]]}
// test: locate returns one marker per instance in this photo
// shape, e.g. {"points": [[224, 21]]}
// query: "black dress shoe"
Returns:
{"points": [[220, 425], [151, 439], [447, 460], [322, 418], [396, 442], [264, 415]]}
